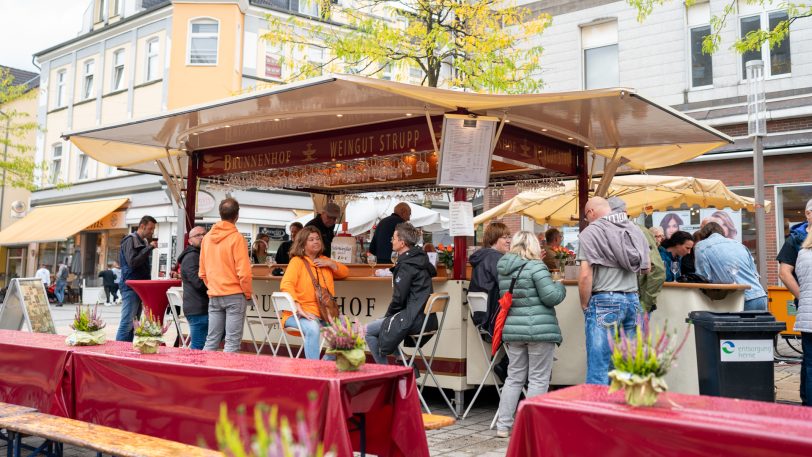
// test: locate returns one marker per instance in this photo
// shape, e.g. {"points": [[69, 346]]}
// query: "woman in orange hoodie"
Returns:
{"points": [[307, 251]]}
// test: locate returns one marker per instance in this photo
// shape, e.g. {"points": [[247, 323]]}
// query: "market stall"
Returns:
{"points": [[342, 135]]}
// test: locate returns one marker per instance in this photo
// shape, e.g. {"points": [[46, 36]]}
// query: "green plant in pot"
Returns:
{"points": [[345, 340], [88, 327], [641, 362], [148, 333]]}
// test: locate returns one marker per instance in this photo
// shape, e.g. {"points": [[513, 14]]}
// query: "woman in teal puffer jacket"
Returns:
{"points": [[531, 329]]}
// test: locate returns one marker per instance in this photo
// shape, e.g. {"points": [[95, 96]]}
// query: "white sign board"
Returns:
{"points": [[343, 250], [26, 304], [462, 219], [746, 350], [465, 155]]}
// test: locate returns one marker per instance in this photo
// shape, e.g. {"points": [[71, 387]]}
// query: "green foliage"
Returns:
{"points": [[647, 352], [487, 45], [149, 326], [753, 40], [16, 159], [86, 320]]}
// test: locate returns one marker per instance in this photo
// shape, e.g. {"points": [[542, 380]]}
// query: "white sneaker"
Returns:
{"points": [[503, 433]]}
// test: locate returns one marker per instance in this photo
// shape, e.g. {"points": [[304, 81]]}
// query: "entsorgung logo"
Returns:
{"points": [[728, 347]]}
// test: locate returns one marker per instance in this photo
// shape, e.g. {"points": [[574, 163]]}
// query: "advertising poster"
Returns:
{"points": [[673, 221], [731, 221]]}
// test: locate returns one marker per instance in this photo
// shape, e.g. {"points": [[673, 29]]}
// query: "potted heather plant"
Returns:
{"points": [[274, 436], [87, 327], [641, 362], [148, 334], [345, 340]]}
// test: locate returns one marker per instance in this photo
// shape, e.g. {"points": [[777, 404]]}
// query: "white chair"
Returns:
{"points": [[175, 296], [478, 302], [437, 303], [283, 301], [251, 321]]}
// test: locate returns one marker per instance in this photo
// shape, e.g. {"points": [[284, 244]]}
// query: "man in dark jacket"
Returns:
{"points": [[135, 258], [411, 289], [110, 284], [195, 297], [283, 253], [381, 244], [484, 277], [325, 221]]}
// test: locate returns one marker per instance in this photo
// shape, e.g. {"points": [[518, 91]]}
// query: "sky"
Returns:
{"points": [[29, 26]]}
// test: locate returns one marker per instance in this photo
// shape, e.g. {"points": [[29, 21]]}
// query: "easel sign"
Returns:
{"points": [[26, 304], [465, 154]]}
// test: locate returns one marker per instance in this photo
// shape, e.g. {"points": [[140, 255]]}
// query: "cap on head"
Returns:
{"points": [[332, 210]]}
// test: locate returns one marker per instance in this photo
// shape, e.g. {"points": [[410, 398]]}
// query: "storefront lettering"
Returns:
{"points": [[253, 162], [387, 143], [355, 306]]}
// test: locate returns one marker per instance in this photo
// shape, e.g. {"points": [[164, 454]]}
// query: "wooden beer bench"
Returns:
{"points": [[58, 431]]}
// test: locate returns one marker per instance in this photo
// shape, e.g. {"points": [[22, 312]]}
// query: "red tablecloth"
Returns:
{"points": [[177, 393], [153, 294], [585, 420]]}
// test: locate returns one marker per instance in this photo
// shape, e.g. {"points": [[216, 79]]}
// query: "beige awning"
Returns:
{"points": [[609, 121], [642, 194], [58, 222]]}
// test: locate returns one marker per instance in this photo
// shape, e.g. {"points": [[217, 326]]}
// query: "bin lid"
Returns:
{"points": [[745, 321]]}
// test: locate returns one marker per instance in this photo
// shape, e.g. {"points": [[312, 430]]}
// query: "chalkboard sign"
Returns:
{"points": [[26, 304]]}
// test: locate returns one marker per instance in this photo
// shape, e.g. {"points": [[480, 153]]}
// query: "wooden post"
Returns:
{"points": [[191, 195], [583, 185], [460, 242]]}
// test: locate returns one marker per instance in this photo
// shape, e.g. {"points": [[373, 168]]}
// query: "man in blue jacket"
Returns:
{"points": [[789, 253]]}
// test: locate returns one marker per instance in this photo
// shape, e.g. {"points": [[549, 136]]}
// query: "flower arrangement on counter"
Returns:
{"points": [[274, 436], [346, 340], [148, 333], [87, 327], [445, 254], [641, 361], [563, 256]]}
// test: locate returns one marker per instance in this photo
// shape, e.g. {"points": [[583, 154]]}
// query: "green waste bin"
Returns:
{"points": [[734, 353]]}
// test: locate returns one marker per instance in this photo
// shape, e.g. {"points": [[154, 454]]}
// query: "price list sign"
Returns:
{"points": [[465, 154]]}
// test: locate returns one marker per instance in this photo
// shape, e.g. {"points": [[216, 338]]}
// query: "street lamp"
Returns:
{"points": [[756, 129]]}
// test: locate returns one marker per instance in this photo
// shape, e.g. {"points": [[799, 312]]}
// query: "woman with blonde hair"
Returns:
{"points": [[803, 320], [531, 329], [308, 266]]}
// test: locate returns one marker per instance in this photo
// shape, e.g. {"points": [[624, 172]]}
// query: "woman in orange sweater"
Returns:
{"points": [[307, 251]]}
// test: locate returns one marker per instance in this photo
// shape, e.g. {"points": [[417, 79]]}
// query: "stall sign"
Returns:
{"points": [[26, 305]]}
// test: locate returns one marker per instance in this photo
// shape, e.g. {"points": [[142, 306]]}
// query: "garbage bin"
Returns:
{"points": [[734, 353]]}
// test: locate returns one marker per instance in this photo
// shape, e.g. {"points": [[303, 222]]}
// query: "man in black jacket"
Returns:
{"points": [[135, 258], [325, 221], [195, 296], [283, 253], [381, 244], [411, 289], [109, 281]]}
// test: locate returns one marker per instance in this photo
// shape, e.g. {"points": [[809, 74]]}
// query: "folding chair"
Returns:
{"points": [[175, 296], [283, 301], [437, 303], [478, 302], [250, 321]]}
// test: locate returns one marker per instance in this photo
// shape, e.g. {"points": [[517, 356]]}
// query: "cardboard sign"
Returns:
{"points": [[26, 304]]}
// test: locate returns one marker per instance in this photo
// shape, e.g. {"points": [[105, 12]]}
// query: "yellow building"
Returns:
{"points": [[14, 200]]}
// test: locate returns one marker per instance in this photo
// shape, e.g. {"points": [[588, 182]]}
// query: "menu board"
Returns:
{"points": [[465, 155], [462, 219], [26, 304]]}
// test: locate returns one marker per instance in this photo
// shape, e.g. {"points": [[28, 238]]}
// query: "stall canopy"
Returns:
{"points": [[362, 215], [58, 222], [642, 194], [338, 118]]}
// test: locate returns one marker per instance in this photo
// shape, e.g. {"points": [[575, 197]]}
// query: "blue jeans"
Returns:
{"points": [[605, 312], [59, 290], [806, 369], [373, 332], [130, 310], [756, 304], [311, 331], [198, 330]]}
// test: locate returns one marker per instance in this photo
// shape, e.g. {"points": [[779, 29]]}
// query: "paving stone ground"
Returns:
{"points": [[469, 437]]}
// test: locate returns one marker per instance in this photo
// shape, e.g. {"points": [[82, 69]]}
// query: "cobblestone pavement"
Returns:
{"points": [[469, 437]]}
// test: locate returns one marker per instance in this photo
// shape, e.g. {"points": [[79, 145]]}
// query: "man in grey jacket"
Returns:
{"points": [[612, 251]]}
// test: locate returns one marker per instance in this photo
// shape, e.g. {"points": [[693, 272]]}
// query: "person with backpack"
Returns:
{"points": [[531, 330]]}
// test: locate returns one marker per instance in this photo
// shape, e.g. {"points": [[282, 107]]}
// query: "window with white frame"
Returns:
{"points": [[61, 76], [309, 7], [599, 44], [777, 59], [152, 59], [82, 166], [56, 163], [87, 80], [699, 28], [315, 57], [203, 40], [102, 10], [118, 70]]}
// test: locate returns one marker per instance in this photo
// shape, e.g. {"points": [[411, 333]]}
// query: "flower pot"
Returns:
{"points": [[79, 338], [350, 360], [147, 344], [639, 390]]}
